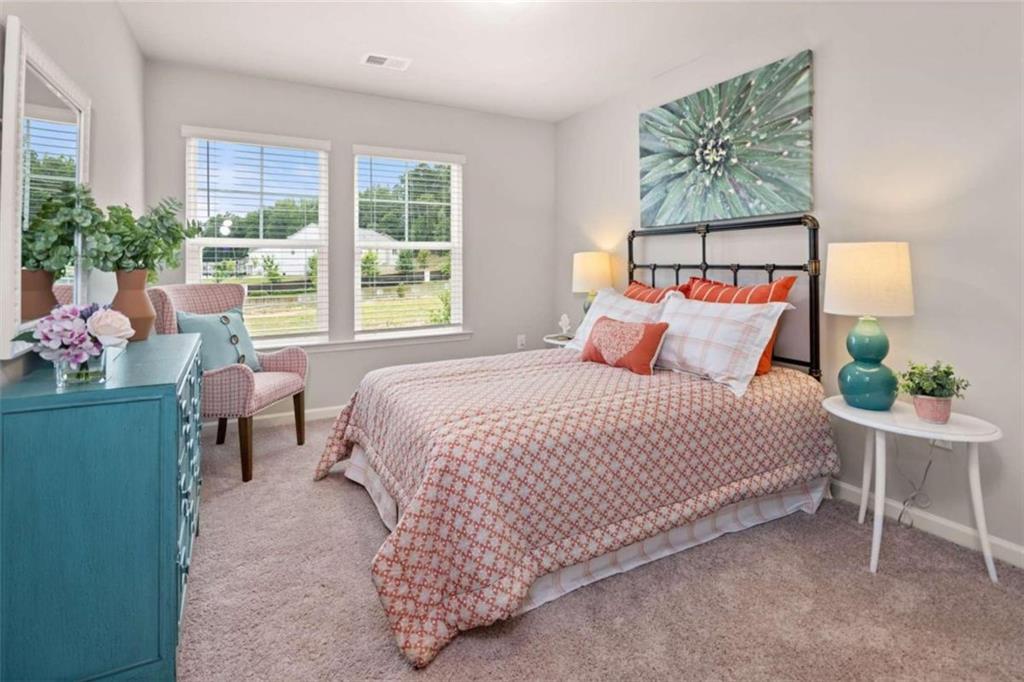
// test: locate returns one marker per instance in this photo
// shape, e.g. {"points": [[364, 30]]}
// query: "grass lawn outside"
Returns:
{"points": [[380, 308]]}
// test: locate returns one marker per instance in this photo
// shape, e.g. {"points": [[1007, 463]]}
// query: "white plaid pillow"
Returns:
{"points": [[616, 306], [722, 341]]}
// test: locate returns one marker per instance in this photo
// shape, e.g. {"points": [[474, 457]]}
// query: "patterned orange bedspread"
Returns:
{"points": [[509, 467]]}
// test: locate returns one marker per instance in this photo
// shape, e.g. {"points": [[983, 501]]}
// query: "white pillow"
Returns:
{"points": [[616, 306], [722, 341]]}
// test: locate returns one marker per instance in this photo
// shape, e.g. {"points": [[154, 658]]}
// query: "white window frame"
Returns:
{"points": [[194, 247], [453, 246]]}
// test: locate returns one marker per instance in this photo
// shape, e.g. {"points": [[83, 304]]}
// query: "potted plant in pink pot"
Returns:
{"points": [[933, 389]]}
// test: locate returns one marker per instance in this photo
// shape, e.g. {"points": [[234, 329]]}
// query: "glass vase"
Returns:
{"points": [[93, 371]]}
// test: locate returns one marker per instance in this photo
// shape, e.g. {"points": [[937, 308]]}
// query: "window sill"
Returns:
{"points": [[365, 341]]}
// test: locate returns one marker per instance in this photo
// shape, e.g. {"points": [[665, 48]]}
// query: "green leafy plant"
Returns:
{"points": [[369, 267], [151, 242], [423, 259], [406, 262], [443, 314], [271, 270], [48, 243], [937, 381], [223, 269]]}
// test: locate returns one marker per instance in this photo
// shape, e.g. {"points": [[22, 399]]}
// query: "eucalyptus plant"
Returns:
{"points": [[48, 243], [150, 242], [937, 381]]}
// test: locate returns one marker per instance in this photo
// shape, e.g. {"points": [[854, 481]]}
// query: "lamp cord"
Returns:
{"points": [[918, 497]]}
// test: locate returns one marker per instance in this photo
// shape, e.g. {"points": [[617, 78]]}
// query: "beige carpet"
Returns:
{"points": [[281, 591]]}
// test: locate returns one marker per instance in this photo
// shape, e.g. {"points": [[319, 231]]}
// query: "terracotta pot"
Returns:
{"points": [[133, 301], [37, 297], [933, 410]]}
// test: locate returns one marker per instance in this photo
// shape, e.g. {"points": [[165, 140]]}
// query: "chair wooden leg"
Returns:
{"points": [[245, 446], [222, 430], [299, 401]]}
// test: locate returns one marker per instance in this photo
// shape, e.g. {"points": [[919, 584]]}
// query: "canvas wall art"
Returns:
{"points": [[737, 149]]}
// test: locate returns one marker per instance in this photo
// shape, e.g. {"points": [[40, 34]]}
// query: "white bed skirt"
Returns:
{"points": [[741, 515]]}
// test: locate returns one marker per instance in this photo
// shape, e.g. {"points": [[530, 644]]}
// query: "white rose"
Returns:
{"points": [[111, 327]]}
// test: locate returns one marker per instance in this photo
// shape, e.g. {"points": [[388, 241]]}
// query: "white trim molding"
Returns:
{"points": [[408, 154], [958, 533], [245, 137], [366, 340], [21, 53]]}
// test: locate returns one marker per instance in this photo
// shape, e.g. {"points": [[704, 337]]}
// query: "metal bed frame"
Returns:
{"points": [[812, 267]]}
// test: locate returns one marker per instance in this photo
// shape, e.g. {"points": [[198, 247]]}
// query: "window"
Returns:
{"points": [[261, 201], [50, 157], [408, 241]]}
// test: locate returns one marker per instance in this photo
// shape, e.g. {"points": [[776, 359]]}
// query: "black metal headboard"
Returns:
{"points": [[812, 267]]}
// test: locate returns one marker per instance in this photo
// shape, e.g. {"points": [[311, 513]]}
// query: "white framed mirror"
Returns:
{"points": [[44, 142]]}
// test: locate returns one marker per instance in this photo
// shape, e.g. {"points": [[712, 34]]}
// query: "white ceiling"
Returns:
{"points": [[538, 60]]}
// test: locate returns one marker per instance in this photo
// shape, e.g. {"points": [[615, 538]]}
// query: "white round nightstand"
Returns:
{"points": [[557, 340], [902, 420]]}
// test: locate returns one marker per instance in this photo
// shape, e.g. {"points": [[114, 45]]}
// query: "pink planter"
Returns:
{"points": [[933, 410]]}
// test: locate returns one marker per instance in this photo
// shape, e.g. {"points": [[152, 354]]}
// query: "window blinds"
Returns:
{"points": [[408, 243], [263, 213], [50, 157]]}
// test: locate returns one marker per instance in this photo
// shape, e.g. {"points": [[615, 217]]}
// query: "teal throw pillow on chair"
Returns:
{"points": [[226, 341]]}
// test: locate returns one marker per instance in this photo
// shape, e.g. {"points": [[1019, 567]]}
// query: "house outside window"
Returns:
{"points": [[262, 204]]}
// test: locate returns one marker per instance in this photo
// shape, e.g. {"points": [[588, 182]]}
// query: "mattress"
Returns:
{"points": [[513, 467]]}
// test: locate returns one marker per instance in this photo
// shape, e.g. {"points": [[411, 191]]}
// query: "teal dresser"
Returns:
{"points": [[99, 506]]}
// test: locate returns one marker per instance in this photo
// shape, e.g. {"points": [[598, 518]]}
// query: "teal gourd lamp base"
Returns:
{"points": [[868, 280], [866, 382]]}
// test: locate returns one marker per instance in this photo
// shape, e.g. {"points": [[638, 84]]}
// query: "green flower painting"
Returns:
{"points": [[737, 149]]}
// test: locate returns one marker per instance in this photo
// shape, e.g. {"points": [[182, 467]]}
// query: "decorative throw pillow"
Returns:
{"points": [[632, 345], [711, 291], [226, 341], [610, 303], [648, 294], [721, 342]]}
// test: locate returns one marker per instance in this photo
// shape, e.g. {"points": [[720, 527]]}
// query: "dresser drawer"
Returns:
{"points": [[189, 460]]}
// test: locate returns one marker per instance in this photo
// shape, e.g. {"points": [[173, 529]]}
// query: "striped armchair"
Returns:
{"points": [[236, 392]]}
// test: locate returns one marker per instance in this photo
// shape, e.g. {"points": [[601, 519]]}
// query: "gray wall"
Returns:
{"points": [[93, 45], [917, 138], [508, 193]]}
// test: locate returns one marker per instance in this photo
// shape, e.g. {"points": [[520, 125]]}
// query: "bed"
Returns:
{"points": [[509, 480]]}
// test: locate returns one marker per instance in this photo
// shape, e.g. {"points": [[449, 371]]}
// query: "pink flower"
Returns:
{"points": [[64, 336]]}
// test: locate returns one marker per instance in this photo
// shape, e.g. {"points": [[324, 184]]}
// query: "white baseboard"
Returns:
{"points": [[965, 536]]}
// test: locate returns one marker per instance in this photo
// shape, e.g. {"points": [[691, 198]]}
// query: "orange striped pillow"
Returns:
{"points": [[718, 292], [638, 291]]}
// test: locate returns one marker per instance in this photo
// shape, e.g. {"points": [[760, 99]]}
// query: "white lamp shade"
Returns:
{"points": [[591, 270], [869, 278]]}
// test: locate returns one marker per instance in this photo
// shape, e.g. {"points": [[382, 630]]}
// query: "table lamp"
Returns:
{"points": [[591, 270], [868, 280]]}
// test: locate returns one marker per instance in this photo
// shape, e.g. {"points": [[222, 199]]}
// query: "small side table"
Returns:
{"points": [[557, 340], [902, 420]]}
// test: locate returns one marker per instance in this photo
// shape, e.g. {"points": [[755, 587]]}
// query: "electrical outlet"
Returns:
{"points": [[520, 341], [942, 444]]}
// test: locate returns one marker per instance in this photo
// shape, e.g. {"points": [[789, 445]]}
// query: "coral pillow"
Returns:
{"points": [[632, 345], [639, 291], [610, 303], [708, 290]]}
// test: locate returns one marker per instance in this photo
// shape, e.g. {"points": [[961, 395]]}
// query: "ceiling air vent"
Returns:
{"points": [[394, 63]]}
